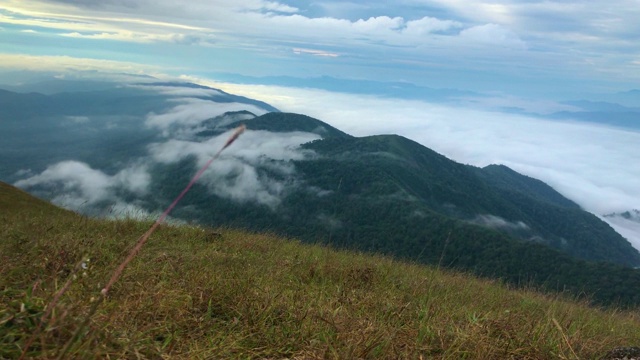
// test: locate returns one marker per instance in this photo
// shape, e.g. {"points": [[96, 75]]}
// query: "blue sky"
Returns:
{"points": [[364, 67], [551, 49]]}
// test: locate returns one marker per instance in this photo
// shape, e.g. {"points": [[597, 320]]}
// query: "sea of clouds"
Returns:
{"points": [[594, 165], [591, 164], [235, 174]]}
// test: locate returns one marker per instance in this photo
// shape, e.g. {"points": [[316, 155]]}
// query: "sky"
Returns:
{"points": [[526, 47], [331, 60]]}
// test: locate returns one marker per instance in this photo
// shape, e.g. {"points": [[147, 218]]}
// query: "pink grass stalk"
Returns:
{"points": [[118, 272], [143, 239]]}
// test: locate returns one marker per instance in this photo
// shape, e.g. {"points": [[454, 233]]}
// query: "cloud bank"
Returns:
{"points": [[191, 112], [630, 229], [79, 187], [257, 168], [497, 222], [593, 165], [238, 174]]}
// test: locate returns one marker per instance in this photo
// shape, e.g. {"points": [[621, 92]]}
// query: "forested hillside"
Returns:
{"points": [[131, 150]]}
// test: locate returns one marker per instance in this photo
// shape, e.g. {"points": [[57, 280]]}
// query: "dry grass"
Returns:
{"points": [[194, 293]]}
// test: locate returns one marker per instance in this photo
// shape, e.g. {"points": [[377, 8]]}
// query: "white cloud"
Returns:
{"points": [[236, 174], [48, 14], [90, 185], [377, 24], [493, 34], [79, 187], [192, 112], [65, 64], [253, 147], [628, 228], [120, 36], [428, 25], [242, 182], [498, 222], [277, 6], [247, 20], [129, 36], [300, 51], [134, 179]]}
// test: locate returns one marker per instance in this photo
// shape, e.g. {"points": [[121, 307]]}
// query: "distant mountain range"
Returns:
{"points": [[133, 149]]}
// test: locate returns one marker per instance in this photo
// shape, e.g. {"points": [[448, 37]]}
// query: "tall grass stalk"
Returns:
{"points": [[143, 239], [132, 254]]}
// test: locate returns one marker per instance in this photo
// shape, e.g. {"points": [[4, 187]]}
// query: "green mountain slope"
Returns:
{"points": [[399, 169], [390, 195], [504, 178], [197, 293], [284, 122], [297, 176], [15, 201]]}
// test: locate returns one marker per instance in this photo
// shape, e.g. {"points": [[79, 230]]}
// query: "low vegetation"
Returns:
{"points": [[195, 293]]}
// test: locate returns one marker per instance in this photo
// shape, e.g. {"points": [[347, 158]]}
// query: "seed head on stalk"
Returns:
{"points": [[142, 240], [238, 131]]}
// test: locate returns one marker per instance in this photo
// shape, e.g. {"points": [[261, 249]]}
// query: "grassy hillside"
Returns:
{"points": [[196, 293]]}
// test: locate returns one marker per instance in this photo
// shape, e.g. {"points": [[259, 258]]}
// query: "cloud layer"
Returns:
{"points": [[494, 221], [191, 111], [257, 168], [239, 174], [590, 164], [80, 187]]}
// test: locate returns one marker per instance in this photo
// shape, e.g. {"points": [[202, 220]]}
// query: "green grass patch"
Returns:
{"points": [[195, 293]]}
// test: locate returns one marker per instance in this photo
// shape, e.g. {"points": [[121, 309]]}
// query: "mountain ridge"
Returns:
{"points": [[300, 177]]}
